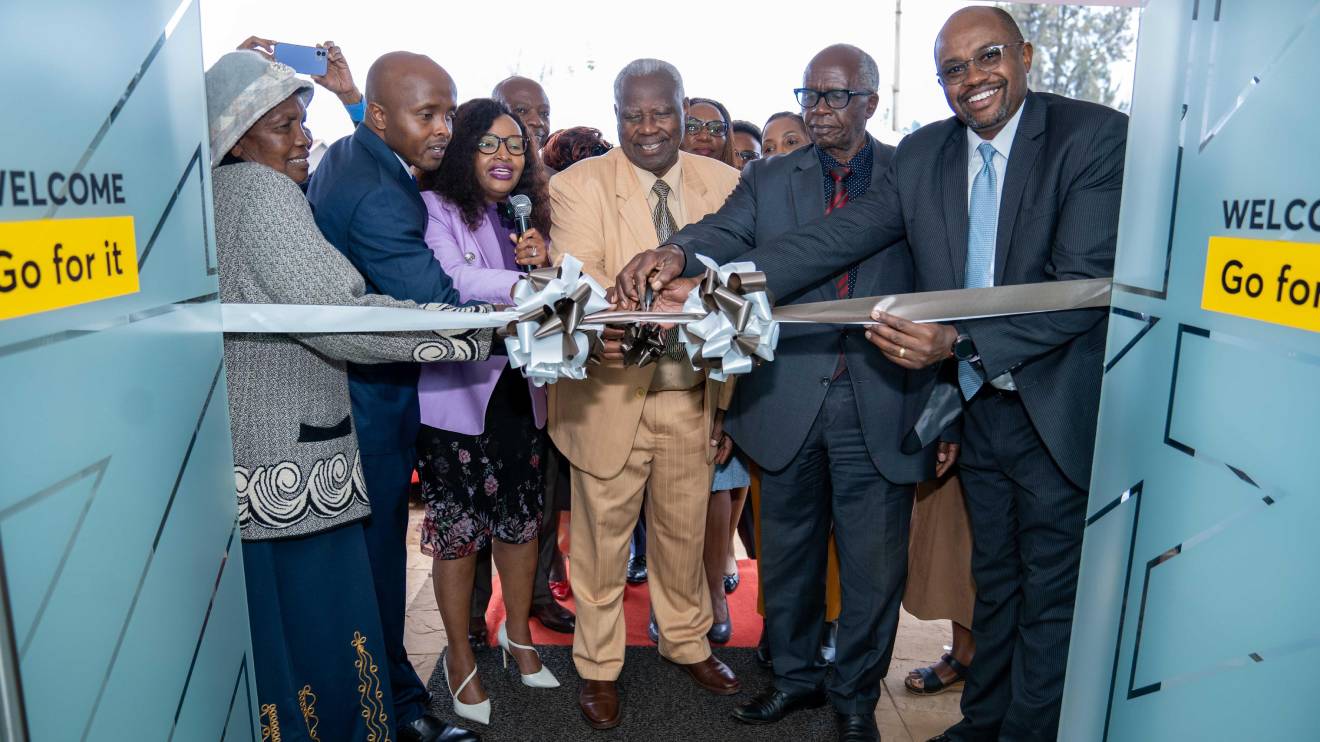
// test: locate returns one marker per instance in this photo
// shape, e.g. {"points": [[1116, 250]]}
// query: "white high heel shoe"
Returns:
{"points": [[478, 712], [542, 678]]}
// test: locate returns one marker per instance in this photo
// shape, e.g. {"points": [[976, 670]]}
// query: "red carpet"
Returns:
{"points": [[636, 611]]}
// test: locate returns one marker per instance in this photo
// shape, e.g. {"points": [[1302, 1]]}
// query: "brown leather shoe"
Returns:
{"points": [[713, 675], [599, 701]]}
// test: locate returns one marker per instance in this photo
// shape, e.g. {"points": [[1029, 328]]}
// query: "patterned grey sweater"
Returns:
{"points": [[296, 465]]}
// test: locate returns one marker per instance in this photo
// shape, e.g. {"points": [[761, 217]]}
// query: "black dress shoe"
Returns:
{"points": [[636, 570], [721, 631], [774, 704], [430, 729], [857, 727], [731, 582], [828, 641], [940, 738], [555, 617], [653, 630]]}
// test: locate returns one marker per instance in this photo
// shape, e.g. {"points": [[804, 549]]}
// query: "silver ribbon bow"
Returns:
{"points": [[738, 331], [550, 341]]}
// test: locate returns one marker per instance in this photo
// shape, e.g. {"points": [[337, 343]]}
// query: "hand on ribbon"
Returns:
{"points": [[654, 268], [738, 330], [550, 341], [912, 345]]}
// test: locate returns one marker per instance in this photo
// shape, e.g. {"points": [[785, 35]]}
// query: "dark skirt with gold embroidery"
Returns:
{"points": [[316, 639]]}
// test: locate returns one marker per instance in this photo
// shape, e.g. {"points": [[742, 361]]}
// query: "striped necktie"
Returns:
{"points": [[982, 223], [665, 227]]}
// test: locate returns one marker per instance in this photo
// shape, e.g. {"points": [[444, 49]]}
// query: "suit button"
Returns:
{"points": [[824, 381], [640, 392]]}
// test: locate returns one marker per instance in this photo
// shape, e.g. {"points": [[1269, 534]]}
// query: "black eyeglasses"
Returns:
{"points": [[489, 144], [838, 98], [986, 60], [714, 128], [747, 155]]}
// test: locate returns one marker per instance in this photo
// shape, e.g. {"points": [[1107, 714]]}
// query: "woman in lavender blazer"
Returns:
{"points": [[482, 447]]}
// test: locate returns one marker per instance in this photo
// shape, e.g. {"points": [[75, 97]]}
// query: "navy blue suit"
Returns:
{"points": [[368, 207]]}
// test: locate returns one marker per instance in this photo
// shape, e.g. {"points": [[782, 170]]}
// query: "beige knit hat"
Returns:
{"points": [[240, 88]]}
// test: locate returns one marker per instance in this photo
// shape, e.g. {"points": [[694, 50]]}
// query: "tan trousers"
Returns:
{"points": [[668, 464]]}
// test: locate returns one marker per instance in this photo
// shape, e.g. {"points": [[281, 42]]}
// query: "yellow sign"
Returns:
{"points": [[55, 263], [1268, 280]]}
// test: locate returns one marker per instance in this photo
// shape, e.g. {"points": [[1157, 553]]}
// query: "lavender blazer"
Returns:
{"points": [[454, 396]]}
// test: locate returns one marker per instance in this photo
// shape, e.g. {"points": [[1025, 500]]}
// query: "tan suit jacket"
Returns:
{"points": [[600, 215]]}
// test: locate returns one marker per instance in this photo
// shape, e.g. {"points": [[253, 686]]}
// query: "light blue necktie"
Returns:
{"points": [[982, 221]]}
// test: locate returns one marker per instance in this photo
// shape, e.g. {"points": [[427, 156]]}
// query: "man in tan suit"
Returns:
{"points": [[631, 431]]}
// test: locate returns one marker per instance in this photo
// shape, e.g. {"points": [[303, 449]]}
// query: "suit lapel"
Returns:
{"points": [[634, 211], [808, 193], [386, 158], [954, 180], [696, 197], [1022, 158]]}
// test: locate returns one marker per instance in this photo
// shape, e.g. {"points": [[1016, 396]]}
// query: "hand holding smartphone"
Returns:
{"points": [[306, 60]]}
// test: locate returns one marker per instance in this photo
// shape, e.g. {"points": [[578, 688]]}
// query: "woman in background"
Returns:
{"points": [[566, 146], [783, 132], [708, 130]]}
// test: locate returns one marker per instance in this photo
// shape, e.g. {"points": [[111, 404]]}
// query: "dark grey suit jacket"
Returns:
{"points": [[1058, 220], [774, 407]]}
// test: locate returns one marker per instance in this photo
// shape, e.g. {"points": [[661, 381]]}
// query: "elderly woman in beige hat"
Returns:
{"points": [[316, 632]]}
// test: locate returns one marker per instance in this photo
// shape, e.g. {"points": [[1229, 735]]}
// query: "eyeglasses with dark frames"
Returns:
{"points": [[986, 60], [714, 128], [747, 155], [489, 144], [837, 98]]}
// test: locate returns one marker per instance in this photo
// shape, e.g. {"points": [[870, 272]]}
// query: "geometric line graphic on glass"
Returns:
{"points": [[56, 556], [151, 555], [1132, 493], [201, 634], [122, 101], [1149, 322], [1269, 492], [1210, 130]]}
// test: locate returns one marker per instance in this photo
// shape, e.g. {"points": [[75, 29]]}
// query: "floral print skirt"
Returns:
{"points": [[488, 485]]}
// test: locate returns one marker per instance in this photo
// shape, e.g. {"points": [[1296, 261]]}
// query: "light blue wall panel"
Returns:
{"points": [[122, 560]]}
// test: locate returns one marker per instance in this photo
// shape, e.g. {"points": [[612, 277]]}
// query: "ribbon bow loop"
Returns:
{"points": [[550, 341], [738, 332]]}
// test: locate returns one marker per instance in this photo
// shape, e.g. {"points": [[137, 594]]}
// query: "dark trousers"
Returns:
{"points": [[833, 483], [388, 478], [556, 498], [1027, 520]]}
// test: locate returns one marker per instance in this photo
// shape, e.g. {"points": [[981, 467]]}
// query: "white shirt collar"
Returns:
{"points": [[406, 170], [1002, 142]]}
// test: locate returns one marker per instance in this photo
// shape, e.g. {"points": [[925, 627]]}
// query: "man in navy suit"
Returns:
{"points": [[825, 421], [1018, 187], [367, 204]]}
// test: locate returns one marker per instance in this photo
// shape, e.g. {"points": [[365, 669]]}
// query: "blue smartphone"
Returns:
{"points": [[307, 60]]}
